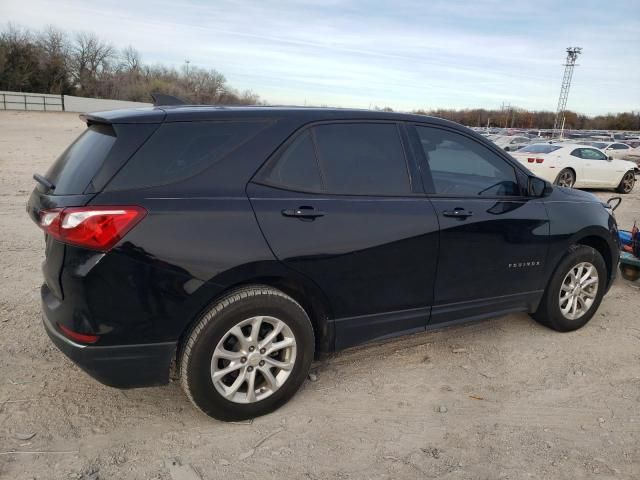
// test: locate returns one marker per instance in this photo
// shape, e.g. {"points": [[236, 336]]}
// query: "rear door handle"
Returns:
{"points": [[457, 213], [303, 212]]}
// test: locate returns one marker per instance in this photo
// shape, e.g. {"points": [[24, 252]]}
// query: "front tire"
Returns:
{"points": [[248, 354], [627, 182], [566, 178], [575, 290]]}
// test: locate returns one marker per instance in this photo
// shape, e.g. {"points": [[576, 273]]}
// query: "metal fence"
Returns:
{"points": [[23, 101]]}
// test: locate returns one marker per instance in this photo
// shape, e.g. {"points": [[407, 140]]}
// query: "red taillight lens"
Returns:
{"points": [[97, 228], [531, 160], [539, 160], [78, 337]]}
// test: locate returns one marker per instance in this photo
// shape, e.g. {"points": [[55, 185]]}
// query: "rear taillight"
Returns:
{"points": [[78, 337], [97, 228], [536, 160]]}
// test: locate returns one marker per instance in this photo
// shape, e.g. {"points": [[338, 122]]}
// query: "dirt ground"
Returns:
{"points": [[500, 399]]}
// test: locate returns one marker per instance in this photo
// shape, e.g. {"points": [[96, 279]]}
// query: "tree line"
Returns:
{"points": [[521, 118], [52, 61]]}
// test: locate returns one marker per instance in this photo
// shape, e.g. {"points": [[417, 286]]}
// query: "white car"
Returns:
{"points": [[510, 143], [575, 165], [613, 149]]}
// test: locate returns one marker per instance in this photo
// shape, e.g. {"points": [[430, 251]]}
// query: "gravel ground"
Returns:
{"points": [[500, 399]]}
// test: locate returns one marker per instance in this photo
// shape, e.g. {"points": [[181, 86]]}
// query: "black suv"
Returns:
{"points": [[242, 242]]}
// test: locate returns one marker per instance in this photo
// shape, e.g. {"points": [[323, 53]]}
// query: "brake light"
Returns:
{"points": [[536, 160], [78, 337], [539, 160], [531, 160], [96, 228]]}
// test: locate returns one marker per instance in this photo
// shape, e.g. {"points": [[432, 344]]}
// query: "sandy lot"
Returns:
{"points": [[500, 399]]}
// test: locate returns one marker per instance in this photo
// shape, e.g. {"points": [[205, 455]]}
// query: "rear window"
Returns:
{"points": [[78, 164], [180, 150], [539, 148]]}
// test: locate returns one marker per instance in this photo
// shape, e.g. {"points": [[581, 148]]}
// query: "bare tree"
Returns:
{"points": [[90, 58]]}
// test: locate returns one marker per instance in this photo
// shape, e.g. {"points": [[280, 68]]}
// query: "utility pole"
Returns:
{"points": [[572, 56], [187, 62]]}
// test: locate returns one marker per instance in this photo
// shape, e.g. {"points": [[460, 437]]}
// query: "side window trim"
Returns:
{"points": [[259, 177], [428, 179]]}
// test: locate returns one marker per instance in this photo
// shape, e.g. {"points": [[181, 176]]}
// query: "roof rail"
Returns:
{"points": [[160, 99]]}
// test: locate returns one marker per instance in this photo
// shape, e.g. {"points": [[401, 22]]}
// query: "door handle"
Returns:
{"points": [[303, 212], [457, 213]]}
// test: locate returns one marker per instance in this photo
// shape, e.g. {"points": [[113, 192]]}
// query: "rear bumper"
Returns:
{"points": [[122, 366]]}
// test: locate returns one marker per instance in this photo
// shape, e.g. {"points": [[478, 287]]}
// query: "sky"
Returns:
{"points": [[405, 54]]}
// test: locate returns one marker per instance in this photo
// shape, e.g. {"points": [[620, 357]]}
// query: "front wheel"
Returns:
{"points": [[566, 178], [627, 182], [248, 354], [575, 290]]}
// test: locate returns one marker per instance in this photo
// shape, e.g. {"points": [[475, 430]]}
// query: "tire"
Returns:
{"points": [[566, 178], [257, 305], [549, 311], [627, 183]]}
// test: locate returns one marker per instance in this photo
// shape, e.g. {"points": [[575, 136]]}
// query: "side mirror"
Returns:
{"points": [[538, 187]]}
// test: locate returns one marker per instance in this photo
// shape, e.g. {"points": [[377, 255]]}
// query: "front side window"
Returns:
{"points": [[462, 166], [343, 158], [619, 146], [592, 154]]}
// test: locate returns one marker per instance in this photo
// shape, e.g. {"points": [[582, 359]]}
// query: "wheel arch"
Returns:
{"points": [[573, 170], [601, 245], [275, 275]]}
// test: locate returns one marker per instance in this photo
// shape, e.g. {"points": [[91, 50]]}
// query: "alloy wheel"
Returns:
{"points": [[578, 290], [253, 359], [565, 179], [628, 181]]}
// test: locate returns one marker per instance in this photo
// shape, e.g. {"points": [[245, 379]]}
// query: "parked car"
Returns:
{"points": [[511, 143], [242, 242], [576, 165], [612, 149]]}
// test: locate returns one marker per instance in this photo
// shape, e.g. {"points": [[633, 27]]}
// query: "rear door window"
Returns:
{"points": [[78, 164], [362, 159], [297, 167], [179, 150], [343, 158]]}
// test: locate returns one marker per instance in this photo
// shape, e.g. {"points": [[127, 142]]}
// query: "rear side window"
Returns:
{"points": [[462, 166], [180, 150], [78, 164], [343, 158]]}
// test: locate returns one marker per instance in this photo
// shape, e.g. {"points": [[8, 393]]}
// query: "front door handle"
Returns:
{"points": [[303, 212], [457, 213]]}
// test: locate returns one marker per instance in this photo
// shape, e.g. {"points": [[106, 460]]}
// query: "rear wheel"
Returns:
{"points": [[248, 354], [627, 182], [566, 178], [575, 290]]}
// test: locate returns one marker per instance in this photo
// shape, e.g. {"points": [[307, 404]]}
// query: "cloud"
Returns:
{"points": [[405, 54]]}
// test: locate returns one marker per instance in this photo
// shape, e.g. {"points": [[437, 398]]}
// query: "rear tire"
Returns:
{"points": [[586, 265], [566, 178], [627, 183], [248, 354]]}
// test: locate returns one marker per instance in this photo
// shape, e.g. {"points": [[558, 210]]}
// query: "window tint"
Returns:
{"points": [[76, 167], [591, 154], [461, 166], [179, 150], [619, 146], [297, 167], [577, 153], [539, 148], [362, 159]]}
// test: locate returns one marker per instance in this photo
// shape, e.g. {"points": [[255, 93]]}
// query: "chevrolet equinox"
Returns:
{"points": [[242, 242]]}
